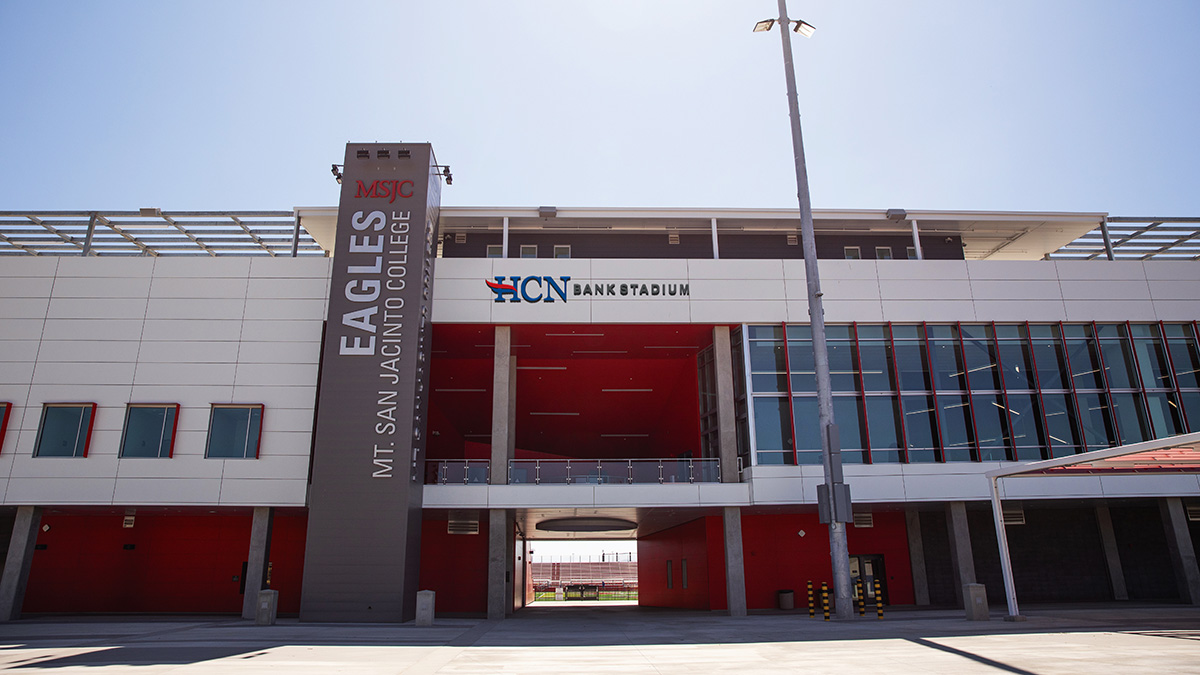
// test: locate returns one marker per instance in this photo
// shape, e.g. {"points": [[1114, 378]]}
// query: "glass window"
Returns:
{"points": [[1191, 407], [957, 434], [562, 251], [234, 431], [1085, 365], [772, 430], [1099, 431], [528, 250], [847, 414], [1024, 414], [808, 433], [883, 253], [767, 366], [1152, 363], [883, 423], [991, 423], [1132, 425], [948, 371], [852, 253], [843, 365], [877, 366], [65, 430], [1118, 363], [766, 332], [149, 430], [1186, 360], [1061, 426], [980, 360], [803, 364], [1165, 417], [495, 250], [1017, 362], [1051, 365], [913, 365], [920, 428], [911, 251]]}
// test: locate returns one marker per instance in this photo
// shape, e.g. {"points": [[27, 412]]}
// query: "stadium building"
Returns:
{"points": [[351, 404]]}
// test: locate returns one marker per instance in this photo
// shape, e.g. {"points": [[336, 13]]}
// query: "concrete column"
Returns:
{"points": [[257, 559], [499, 599], [726, 415], [1179, 543], [963, 562], [735, 573], [18, 560], [504, 406], [916, 555], [1112, 556]]}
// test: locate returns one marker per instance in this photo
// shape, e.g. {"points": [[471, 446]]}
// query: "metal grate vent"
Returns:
{"points": [[1193, 512], [793, 240], [864, 519], [463, 522], [460, 237], [1014, 515], [673, 238]]}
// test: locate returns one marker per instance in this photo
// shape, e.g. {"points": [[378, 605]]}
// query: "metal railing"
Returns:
{"points": [[458, 471], [577, 471], [613, 471]]}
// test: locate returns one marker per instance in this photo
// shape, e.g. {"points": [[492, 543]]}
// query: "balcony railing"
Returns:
{"points": [[578, 471]]}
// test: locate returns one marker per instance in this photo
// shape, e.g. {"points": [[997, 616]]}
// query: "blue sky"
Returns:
{"points": [[1088, 105]]}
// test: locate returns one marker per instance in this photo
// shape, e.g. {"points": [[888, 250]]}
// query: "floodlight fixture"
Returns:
{"points": [[764, 25], [804, 28], [337, 175]]}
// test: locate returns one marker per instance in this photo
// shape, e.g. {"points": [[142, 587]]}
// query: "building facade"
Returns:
{"points": [[178, 429]]}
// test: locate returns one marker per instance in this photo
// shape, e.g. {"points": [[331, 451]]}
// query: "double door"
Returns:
{"points": [[868, 569]]}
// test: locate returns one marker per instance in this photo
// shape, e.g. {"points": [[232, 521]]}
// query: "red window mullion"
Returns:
{"points": [[87, 443], [939, 449], [7, 408], [891, 342], [175, 429], [1137, 369], [862, 392], [787, 365], [962, 351]]}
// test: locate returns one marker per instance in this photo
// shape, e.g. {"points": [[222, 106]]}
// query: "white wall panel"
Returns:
{"points": [[100, 268], [282, 331], [75, 351], [49, 372], [315, 288], [197, 288], [188, 351], [177, 490], [91, 287], [263, 492], [98, 329], [196, 308], [96, 308], [26, 287], [65, 491], [279, 352], [22, 266], [262, 374], [202, 268], [1100, 270], [21, 329], [24, 308]]}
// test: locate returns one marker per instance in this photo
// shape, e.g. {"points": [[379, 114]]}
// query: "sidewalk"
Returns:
{"points": [[1078, 639]]}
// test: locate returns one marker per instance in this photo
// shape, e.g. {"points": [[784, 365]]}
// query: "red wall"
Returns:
{"points": [[775, 558], [179, 563], [675, 544], [455, 567]]}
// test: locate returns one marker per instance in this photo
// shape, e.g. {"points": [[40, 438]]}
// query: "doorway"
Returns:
{"points": [[868, 569]]}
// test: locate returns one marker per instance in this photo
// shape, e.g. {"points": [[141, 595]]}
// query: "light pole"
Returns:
{"points": [[833, 496]]}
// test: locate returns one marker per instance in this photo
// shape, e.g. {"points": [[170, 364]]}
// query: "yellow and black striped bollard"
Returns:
{"points": [[862, 599], [812, 609], [825, 599], [878, 600]]}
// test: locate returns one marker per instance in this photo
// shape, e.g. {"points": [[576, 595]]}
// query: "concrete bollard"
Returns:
{"points": [[425, 602], [267, 608], [975, 602]]}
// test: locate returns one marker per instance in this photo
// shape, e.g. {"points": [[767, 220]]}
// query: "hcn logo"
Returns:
{"points": [[517, 289]]}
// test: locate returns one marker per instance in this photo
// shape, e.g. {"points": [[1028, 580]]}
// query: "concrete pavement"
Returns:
{"points": [[1109, 638]]}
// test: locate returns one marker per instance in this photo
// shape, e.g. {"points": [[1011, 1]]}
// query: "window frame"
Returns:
{"points": [[857, 252], [559, 247], [249, 406], [499, 249], [524, 247], [125, 430], [887, 250], [87, 441], [6, 407]]}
